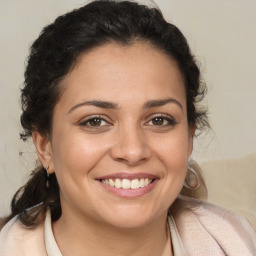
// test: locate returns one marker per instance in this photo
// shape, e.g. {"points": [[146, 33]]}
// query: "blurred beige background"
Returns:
{"points": [[222, 35]]}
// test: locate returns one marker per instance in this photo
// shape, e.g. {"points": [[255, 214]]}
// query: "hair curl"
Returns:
{"points": [[55, 52]]}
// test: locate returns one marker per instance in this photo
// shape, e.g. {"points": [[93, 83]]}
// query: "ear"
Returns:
{"points": [[44, 150]]}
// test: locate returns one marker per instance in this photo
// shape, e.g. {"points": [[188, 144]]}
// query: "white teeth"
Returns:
{"points": [[118, 183], [135, 184], [142, 183], [126, 183], [111, 183]]}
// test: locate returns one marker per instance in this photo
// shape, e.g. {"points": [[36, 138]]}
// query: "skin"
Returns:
{"points": [[95, 221]]}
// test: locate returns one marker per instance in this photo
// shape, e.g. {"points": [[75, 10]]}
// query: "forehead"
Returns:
{"points": [[116, 71]]}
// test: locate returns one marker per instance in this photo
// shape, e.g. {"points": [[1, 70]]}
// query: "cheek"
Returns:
{"points": [[74, 153], [173, 150]]}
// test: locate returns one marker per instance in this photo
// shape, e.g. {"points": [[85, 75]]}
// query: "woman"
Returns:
{"points": [[110, 101]]}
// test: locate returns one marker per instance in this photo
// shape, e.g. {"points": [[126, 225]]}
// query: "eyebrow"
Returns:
{"points": [[96, 103], [161, 102], [111, 105]]}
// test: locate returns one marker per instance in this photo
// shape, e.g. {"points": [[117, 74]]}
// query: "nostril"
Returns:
{"points": [[132, 161]]}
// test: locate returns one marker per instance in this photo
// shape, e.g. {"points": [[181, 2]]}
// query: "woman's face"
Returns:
{"points": [[120, 138]]}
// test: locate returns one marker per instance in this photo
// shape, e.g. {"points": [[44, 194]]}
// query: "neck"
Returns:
{"points": [[87, 237]]}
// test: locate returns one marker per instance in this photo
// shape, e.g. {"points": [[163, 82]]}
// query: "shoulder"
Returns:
{"points": [[201, 224], [15, 239]]}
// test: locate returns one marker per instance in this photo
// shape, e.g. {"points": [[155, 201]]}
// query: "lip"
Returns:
{"points": [[129, 193], [129, 176]]}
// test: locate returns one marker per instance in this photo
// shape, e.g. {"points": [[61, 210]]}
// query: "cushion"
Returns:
{"points": [[231, 183]]}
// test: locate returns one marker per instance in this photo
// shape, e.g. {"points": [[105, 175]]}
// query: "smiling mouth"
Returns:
{"points": [[127, 183]]}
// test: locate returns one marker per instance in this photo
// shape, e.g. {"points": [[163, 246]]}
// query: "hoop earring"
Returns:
{"points": [[47, 177], [192, 180]]}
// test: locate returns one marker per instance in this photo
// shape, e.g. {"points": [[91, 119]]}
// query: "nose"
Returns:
{"points": [[130, 147]]}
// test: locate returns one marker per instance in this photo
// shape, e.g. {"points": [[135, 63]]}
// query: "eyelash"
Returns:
{"points": [[86, 122], [170, 121]]}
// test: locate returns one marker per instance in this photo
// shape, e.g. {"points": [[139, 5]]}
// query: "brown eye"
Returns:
{"points": [[162, 121], [95, 122], [158, 121]]}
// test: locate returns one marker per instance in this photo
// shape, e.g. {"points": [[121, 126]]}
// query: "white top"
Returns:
{"points": [[52, 248], [175, 238]]}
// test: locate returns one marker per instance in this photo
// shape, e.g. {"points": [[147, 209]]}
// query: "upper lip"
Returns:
{"points": [[125, 175]]}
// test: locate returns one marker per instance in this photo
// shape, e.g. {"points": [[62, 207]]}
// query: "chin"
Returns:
{"points": [[132, 217], [130, 223]]}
